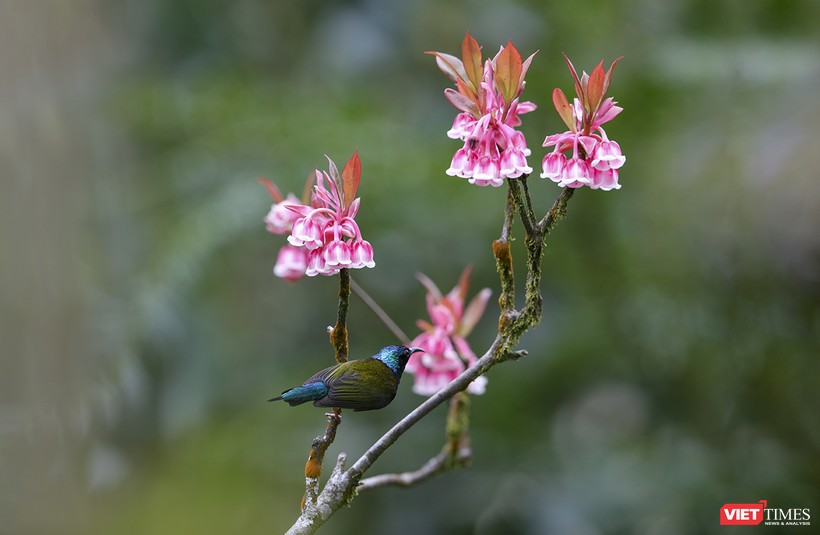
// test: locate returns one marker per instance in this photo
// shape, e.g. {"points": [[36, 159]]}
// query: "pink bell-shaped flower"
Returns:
{"points": [[605, 180], [607, 155], [487, 172], [461, 164], [306, 232], [316, 263], [291, 263], [553, 165], [280, 218], [362, 255], [575, 174], [337, 254]]}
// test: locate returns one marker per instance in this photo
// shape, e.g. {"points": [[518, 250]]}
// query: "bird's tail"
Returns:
{"points": [[303, 394]]}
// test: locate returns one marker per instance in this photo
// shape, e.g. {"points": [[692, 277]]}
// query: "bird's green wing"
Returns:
{"points": [[359, 385], [328, 375]]}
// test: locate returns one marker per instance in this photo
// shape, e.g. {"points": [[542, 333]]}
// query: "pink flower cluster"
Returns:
{"points": [[447, 352], [595, 159], [323, 236], [488, 98]]}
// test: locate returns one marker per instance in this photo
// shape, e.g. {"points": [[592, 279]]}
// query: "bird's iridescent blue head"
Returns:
{"points": [[396, 357]]}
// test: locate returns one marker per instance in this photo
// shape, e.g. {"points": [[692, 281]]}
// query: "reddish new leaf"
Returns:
{"points": [[474, 311], [595, 87], [508, 72], [525, 67], [272, 190], [351, 175], [430, 285], [471, 54], [464, 282], [466, 90], [559, 99], [311, 179], [585, 98], [579, 90], [461, 102], [450, 65], [611, 70]]}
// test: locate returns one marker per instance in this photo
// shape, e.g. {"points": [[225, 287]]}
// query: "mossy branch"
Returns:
{"points": [[339, 341], [338, 334]]}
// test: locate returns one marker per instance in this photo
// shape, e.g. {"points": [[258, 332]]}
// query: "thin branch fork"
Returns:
{"points": [[435, 466]]}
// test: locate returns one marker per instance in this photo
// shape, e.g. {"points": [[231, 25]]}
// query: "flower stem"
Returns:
{"points": [[338, 335], [379, 312]]}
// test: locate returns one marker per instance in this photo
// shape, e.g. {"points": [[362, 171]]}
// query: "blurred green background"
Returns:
{"points": [[676, 368]]}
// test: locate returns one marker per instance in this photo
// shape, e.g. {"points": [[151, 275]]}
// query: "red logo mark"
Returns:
{"points": [[742, 514]]}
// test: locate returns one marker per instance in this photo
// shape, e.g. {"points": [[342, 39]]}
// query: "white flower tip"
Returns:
{"points": [[512, 172]]}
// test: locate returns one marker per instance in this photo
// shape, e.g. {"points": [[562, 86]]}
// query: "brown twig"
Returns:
{"points": [[432, 468], [339, 341]]}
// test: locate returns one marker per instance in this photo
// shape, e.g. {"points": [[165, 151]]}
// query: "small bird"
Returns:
{"points": [[361, 385]]}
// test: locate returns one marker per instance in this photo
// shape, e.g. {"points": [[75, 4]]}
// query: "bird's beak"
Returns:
{"points": [[416, 350]]}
